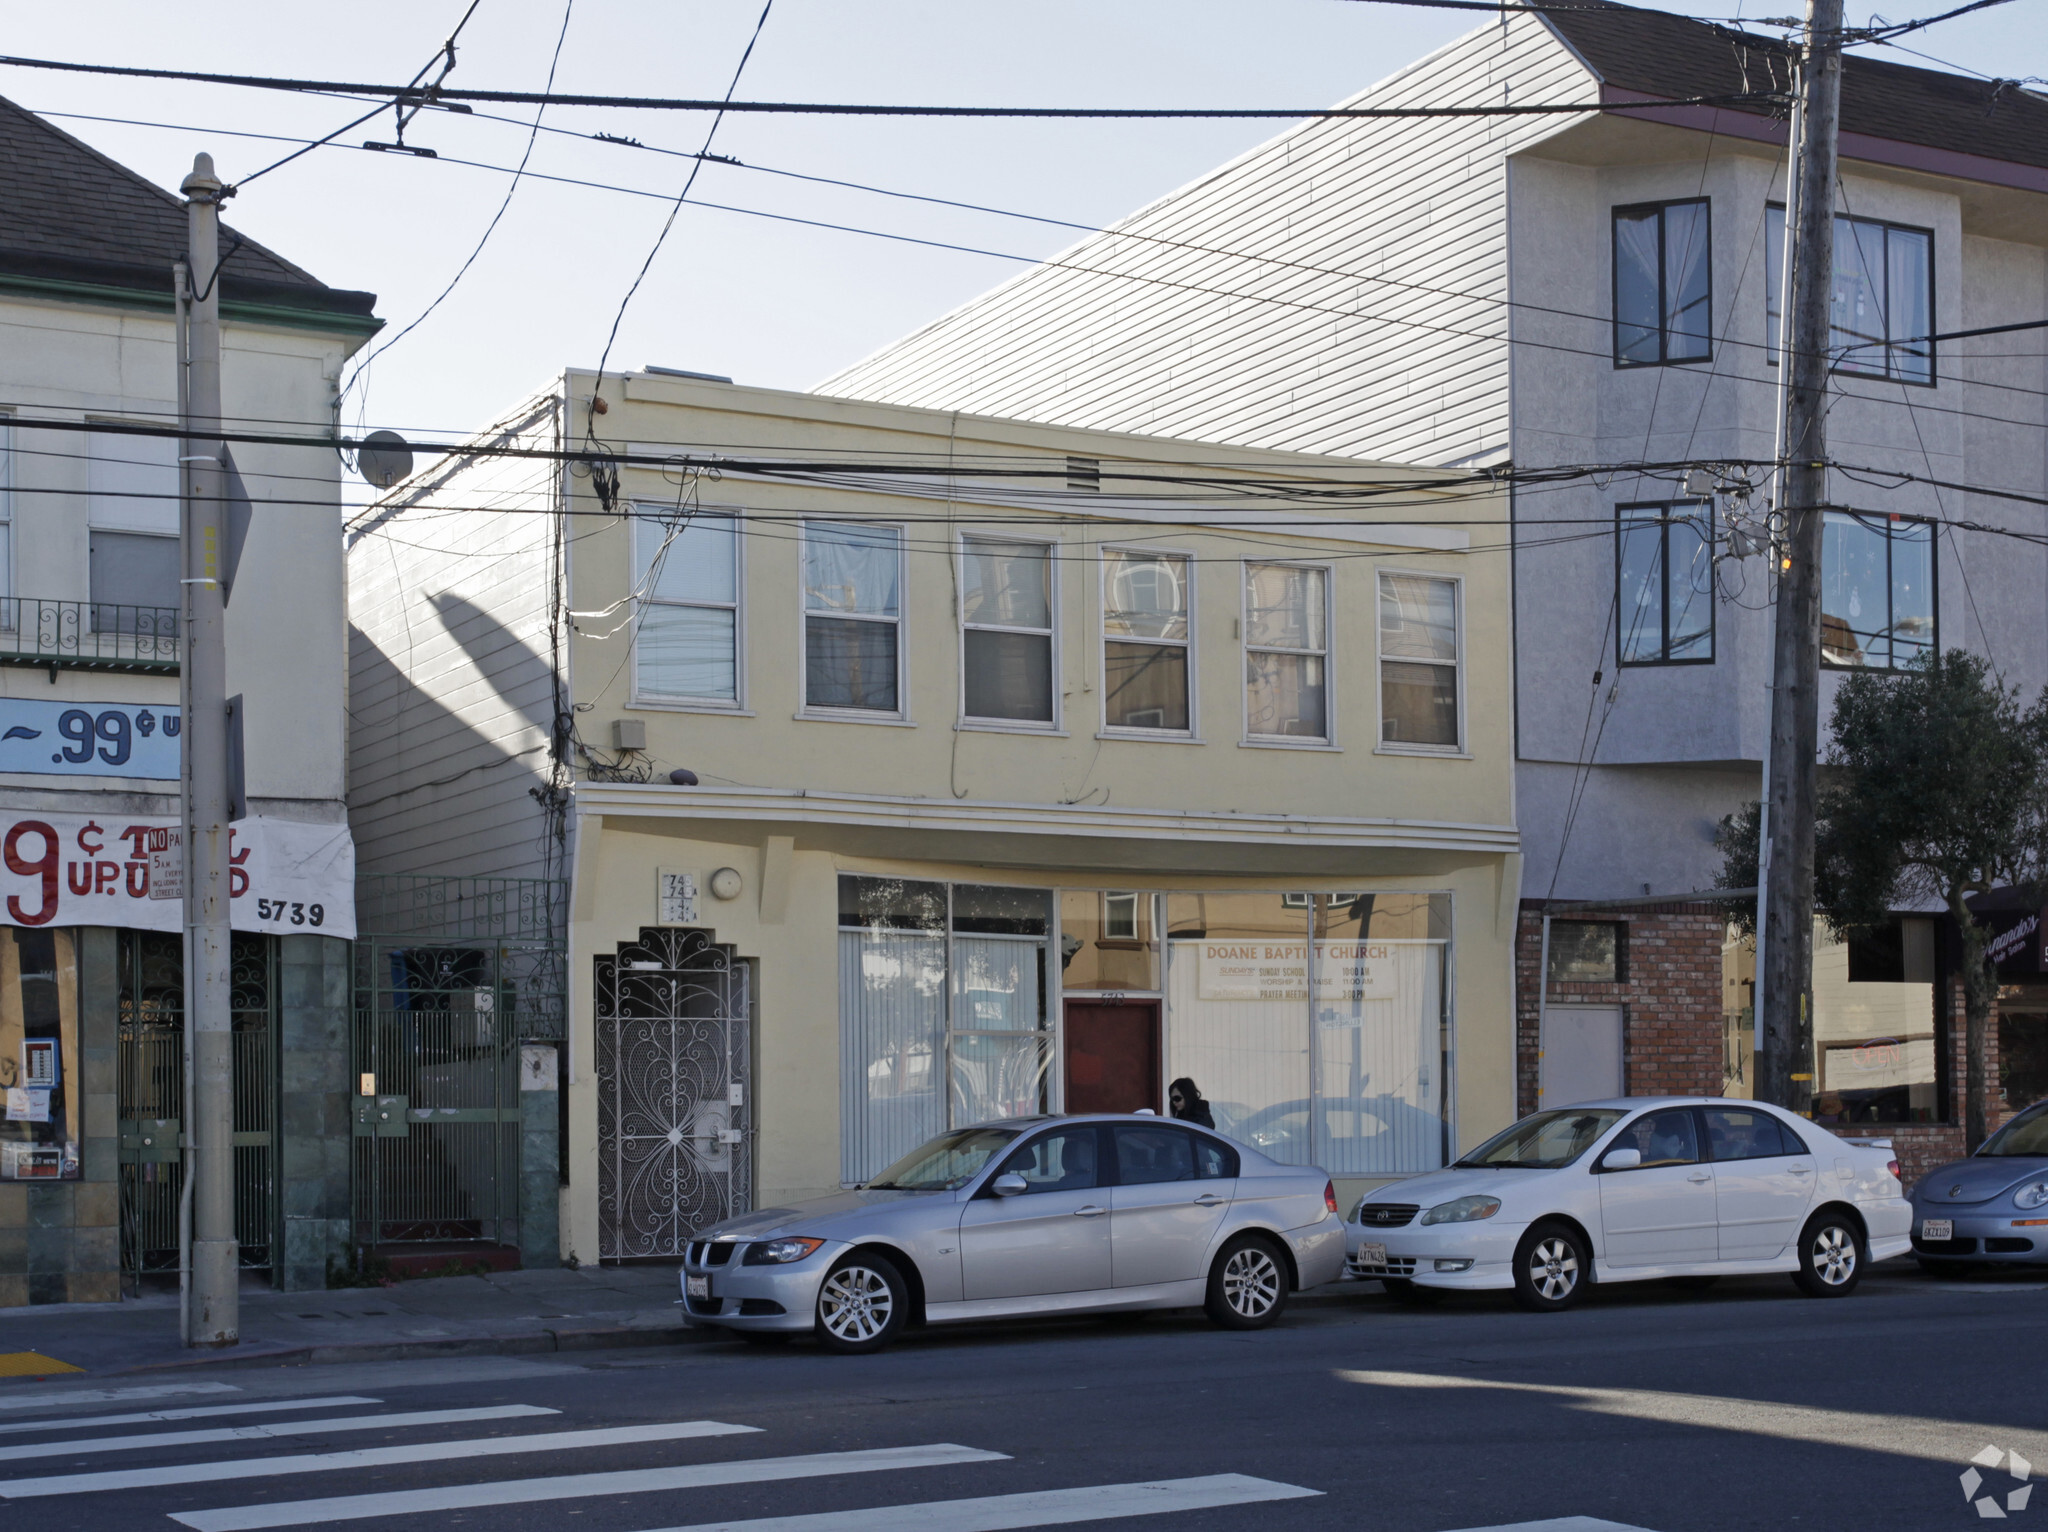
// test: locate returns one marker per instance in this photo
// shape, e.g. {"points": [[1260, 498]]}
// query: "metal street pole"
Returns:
{"points": [[215, 1318], [1784, 1068]]}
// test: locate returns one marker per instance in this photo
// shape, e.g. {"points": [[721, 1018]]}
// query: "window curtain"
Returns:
{"points": [[1688, 305], [892, 997], [1637, 320]]}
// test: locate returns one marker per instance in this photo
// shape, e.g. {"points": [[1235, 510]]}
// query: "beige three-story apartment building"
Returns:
{"points": [[908, 769]]}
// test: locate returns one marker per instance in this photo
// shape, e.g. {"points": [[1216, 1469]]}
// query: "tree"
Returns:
{"points": [[1936, 790]]}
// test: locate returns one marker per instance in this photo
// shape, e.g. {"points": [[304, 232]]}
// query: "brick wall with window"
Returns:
{"points": [[1669, 990]]}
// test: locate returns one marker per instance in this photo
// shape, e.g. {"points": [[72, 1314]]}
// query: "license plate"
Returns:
{"points": [[1937, 1228], [1372, 1255], [697, 1287]]}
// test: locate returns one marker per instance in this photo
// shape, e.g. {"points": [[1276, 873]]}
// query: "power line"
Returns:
{"points": [[867, 109]]}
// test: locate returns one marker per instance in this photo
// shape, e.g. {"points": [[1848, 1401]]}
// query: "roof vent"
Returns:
{"points": [[1084, 473]]}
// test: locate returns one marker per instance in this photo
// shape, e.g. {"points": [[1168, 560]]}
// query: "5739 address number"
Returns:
{"points": [[290, 912]]}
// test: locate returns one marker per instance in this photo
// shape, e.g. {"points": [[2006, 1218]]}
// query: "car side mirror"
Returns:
{"points": [[1622, 1159], [1009, 1184]]}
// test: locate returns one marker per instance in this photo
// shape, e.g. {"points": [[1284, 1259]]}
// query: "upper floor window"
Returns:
{"points": [[1877, 602], [1286, 651], [1664, 583], [853, 616], [1419, 662], [1881, 312], [1006, 640], [1663, 288], [132, 494], [1145, 641], [686, 576]]}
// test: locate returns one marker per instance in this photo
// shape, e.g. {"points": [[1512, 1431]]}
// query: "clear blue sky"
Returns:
{"points": [[767, 303]]}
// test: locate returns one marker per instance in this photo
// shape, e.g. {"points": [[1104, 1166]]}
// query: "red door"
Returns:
{"points": [[1112, 1055]]}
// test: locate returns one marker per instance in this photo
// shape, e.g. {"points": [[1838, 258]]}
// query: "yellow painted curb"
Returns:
{"points": [[32, 1364]]}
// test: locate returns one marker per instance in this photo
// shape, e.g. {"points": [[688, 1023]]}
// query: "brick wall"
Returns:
{"points": [[1670, 997]]}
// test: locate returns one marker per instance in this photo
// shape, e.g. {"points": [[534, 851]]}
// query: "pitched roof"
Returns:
{"points": [[1660, 54], [70, 214]]}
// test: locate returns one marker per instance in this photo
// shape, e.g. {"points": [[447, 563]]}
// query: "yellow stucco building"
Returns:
{"points": [[906, 769]]}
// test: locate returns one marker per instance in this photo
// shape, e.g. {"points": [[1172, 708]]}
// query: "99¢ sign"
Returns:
{"points": [[82, 870]]}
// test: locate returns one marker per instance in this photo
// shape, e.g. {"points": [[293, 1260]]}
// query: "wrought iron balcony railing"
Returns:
{"points": [[88, 635]]}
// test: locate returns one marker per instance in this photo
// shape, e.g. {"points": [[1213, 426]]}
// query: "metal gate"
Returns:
{"points": [[674, 1070], [436, 1112], [152, 1097], [452, 973]]}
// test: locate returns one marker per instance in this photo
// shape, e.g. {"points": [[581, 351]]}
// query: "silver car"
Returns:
{"points": [[1992, 1207], [1034, 1215]]}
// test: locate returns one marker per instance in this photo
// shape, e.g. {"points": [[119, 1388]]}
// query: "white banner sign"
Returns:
{"points": [[82, 870], [1268, 970]]}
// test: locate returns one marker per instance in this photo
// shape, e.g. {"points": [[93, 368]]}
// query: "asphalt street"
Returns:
{"points": [[1743, 1407]]}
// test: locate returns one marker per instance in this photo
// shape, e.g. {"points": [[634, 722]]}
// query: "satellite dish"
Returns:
{"points": [[384, 458]]}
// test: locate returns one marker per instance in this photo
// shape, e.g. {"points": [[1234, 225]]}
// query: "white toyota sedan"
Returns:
{"points": [[1685, 1189]]}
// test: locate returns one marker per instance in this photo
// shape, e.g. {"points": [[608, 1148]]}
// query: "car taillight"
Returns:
{"points": [[1330, 1195], [1893, 1167]]}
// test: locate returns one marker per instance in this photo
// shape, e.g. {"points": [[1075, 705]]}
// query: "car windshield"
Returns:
{"points": [[1545, 1141], [948, 1161], [2025, 1134]]}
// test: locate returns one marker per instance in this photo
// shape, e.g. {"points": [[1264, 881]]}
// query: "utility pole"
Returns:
{"points": [[215, 1318], [1785, 1006]]}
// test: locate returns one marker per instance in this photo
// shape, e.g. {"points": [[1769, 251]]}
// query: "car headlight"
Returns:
{"points": [[2032, 1195], [779, 1252], [1463, 1210]]}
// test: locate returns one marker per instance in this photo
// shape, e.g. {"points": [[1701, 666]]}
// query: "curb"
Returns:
{"points": [[593, 1338]]}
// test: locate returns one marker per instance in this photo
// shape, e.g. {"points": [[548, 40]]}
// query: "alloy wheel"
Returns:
{"points": [[1834, 1255], [1553, 1268], [1251, 1282], [856, 1304]]}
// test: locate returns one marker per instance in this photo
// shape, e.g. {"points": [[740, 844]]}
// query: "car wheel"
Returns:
{"points": [[1247, 1285], [1406, 1290], [1830, 1256], [862, 1304], [1551, 1268], [1697, 1284]]}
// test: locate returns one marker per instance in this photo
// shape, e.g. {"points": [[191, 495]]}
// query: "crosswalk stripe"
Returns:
{"points": [[61, 1396], [1035, 1508], [195, 1412], [150, 1441], [462, 1497], [366, 1457]]}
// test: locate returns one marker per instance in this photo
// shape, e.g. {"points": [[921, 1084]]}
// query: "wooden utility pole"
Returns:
{"points": [[1784, 1072]]}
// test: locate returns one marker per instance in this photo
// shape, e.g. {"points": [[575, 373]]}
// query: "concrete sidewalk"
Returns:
{"points": [[504, 1313]]}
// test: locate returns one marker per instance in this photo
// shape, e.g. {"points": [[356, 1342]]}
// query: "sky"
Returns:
{"points": [[775, 304]]}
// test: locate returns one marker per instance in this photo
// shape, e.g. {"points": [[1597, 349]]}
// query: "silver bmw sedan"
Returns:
{"points": [[1033, 1215]]}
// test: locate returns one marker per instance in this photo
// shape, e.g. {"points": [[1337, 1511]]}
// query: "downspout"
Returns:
{"points": [[1542, 1000]]}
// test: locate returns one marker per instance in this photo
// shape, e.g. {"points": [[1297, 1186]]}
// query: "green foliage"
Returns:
{"points": [[1737, 837], [1938, 790]]}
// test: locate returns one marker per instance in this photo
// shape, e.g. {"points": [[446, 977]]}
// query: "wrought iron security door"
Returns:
{"points": [[674, 1075], [152, 1097]]}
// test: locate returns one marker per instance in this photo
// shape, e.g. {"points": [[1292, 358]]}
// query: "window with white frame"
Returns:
{"points": [[686, 577], [1419, 661], [132, 494], [1006, 641], [1146, 631], [1286, 651], [1881, 312], [853, 615], [1120, 917]]}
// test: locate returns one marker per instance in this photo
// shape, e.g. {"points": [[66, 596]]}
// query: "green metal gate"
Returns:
{"points": [[452, 974], [152, 1098]]}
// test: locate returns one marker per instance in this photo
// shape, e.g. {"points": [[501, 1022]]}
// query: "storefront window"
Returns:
{"points": [[1738, 1013], [39, 1054], [942, 1012], [1316, 1026], [1107, 941], [1874, 1025]]}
